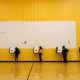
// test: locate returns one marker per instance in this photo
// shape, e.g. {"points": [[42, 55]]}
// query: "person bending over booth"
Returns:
{"points": [[64, 53], [40, 53], [17, 52]]}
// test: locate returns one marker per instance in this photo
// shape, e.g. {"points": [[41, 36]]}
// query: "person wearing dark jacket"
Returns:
{"points": [[64, 53], [16, 53], [40, 53]]}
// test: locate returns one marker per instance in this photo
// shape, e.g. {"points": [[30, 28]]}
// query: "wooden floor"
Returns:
{"points": [[39, 71]]}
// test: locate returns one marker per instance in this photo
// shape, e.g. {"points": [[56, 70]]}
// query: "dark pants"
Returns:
{"points": [[16, 57], [40, 58], [65, 57]]}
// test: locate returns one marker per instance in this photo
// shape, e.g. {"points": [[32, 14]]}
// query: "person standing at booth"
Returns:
{"points": [[40, 53], [64, 53], [17, 52]]}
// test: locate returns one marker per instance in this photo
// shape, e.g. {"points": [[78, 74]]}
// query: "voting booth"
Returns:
{"points": [[35, 50], [12, 50], [58, 49]]}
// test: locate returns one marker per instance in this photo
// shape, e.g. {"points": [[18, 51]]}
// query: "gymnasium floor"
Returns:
{"points": [[39, 71]]}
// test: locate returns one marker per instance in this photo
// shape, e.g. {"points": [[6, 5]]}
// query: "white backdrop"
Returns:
{"points": [[48, 34]]}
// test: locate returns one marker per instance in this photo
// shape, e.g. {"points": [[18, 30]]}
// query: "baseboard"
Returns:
{"points": [[39, 61]]}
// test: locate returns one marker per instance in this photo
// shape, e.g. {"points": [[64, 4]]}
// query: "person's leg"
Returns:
{"points": [[15, 57], [40, 58], [64, 57]]}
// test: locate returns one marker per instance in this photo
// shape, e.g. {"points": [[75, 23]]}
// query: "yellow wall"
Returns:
{"points": [[48, 55], [40, 10]]}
